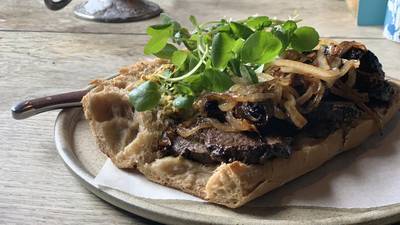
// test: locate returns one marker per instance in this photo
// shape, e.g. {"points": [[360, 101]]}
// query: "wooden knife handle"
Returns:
{"points": [[32, 107]]}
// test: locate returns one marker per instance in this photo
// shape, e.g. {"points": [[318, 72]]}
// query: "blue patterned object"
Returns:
{"points": [[392, 21], [371, 12]]}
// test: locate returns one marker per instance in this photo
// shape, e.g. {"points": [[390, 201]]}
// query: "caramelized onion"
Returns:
{"points": [[329, 76], [239, 124], [227, 106], [278, 113], [344, 46], [221, 126], [255, 97], [291, 55], [265, 77], [297, 56], [321, 59], [284, 81], [327, 41], [233, 125], [334, 62], [351, 79], [317, 99], [278, 93], [292, 91], [187, 132], [236, 87], [294, 114], [233, 97], [311, 90]]}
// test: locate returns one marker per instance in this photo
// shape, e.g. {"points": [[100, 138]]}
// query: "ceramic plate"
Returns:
{"points": [[77, 148]]}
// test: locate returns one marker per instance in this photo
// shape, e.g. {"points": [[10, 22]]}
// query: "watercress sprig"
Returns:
{"points": [[207, 58]]}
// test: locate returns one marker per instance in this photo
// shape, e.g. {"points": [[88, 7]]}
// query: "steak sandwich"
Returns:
{"points": [[231, 128]]}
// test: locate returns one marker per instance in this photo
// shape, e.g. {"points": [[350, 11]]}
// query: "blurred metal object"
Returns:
{"points": [[110, 11], [116, 11], [56, 5]]}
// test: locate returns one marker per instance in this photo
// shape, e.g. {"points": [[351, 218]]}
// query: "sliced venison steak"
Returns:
{"points": [[191, 148], [370, 77], [329, 116], [213, 146], [245, 147]]}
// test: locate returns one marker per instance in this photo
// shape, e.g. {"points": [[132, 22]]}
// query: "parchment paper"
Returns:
{"points": [[368, 176]]}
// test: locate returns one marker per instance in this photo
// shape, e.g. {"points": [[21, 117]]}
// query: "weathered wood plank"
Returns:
{"points": [[63, 62], [330, 17], [35, 187]]}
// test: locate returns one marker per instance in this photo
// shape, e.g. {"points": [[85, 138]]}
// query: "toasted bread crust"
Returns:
{"points": [[131, 142]]}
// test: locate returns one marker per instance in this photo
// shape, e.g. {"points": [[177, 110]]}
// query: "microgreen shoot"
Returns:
{"points": [[145, 97], [207, 58]]}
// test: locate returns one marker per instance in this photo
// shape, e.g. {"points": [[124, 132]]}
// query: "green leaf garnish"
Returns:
{"points": [[258, 22], [193, 20], [218, 81], [166, 52], [196, 83], [305, 39], [207, 57], [261, 47], [221, 53], [146, 96], [234, 67], [159, 38], [240, 30], [285, 33], [183, 89], [169, 21], [248, 73], [183, 102], [179, 57], [238, 45], [289, 26]]}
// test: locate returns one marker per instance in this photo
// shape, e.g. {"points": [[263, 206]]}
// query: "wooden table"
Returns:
{"points": [[44, 52]]}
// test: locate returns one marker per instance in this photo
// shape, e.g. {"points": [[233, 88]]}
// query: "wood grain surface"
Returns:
{"points": [[330, 17], [44, 52]]}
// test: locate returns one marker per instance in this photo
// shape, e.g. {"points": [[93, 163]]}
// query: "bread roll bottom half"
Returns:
{"points": [[131, 142]]}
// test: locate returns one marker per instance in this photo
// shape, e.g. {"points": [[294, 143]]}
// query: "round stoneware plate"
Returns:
{"points": [[79, 152]]}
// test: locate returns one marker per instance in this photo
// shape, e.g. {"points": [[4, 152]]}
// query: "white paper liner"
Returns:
{"points": [[368, 176], [136, 184]]}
